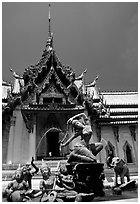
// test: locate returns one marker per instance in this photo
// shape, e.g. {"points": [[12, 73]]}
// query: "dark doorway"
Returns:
{"points": [[52, 144]]}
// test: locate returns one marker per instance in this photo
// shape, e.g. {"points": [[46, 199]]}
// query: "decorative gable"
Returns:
{"points": [[49, 82], [52, 95]]}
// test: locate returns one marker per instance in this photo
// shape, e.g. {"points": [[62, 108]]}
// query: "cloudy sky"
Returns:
{"points": [[99, 36]]}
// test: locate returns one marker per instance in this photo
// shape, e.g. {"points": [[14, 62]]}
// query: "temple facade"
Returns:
{"points": [[39, 103]]}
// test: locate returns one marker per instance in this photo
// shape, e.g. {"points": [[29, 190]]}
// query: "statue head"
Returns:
{"points": [[115, 161], [77, 126], [45, 172], [19, 175], [24, 170], [28, 166], [63, 170]]}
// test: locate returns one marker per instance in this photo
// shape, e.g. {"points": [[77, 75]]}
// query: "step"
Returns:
{"points": [[50, 163]]}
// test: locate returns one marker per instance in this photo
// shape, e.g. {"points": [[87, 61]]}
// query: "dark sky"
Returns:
{"points": [[99, 36]]}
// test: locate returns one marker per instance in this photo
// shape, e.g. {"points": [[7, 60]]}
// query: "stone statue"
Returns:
{"points": [[83, 151], [29, 172], [47, 191], [17, 189], [46, 183], [120, 169]]}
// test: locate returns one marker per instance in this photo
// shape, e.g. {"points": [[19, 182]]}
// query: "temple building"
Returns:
{"points": [[38, 104]]}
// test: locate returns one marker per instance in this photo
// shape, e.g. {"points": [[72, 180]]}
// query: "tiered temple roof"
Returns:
{"points": [[123, 107]]}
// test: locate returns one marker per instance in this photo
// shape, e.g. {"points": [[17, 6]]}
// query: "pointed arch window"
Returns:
{"points": [[128, 152]]}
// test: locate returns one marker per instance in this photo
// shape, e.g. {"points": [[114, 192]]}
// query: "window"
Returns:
{"points": [[52, 100], [128, 154], [127, 148], [47, 100], [57, 100]]}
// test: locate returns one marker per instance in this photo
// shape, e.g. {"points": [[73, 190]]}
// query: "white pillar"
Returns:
{"points": [[32, 143], [11, 141]]}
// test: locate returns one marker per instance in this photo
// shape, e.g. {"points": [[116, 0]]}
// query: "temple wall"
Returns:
{"points": [[24, 143], [5, 139], [108, 136], [40, 143], [20, 150], [124, 137]]}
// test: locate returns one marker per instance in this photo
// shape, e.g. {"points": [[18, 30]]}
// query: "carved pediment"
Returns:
{"points": [[49, 79], [52, 94], [52, 91]]}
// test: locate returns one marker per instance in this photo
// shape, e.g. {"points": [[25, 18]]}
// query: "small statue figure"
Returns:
{"points": [[83, 151], [46, 183], [65, 180], [63, 190], [29, 172], [120, 169], [17, 189]]}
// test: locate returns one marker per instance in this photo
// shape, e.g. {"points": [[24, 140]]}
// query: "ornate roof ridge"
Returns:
{"points": [[118, 122], [123, 111], [119, 92], [116, 104], [124, 116]]}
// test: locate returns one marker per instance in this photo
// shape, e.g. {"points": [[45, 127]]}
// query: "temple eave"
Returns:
{"points": [[51, 107], [118, 123]]}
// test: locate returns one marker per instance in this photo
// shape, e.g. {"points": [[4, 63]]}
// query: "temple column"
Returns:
{"points": [[116, 135], [11, 141], [32, 141]]}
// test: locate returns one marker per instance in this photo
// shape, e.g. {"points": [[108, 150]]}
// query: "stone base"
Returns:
{"points": [[88, 177]]}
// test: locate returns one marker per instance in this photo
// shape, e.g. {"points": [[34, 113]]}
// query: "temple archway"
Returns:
{"points": [[48, 146], [52, 138], [128, 153]]}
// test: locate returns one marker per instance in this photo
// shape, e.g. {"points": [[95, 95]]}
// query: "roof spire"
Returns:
{"points": [[50, 35], [49, 18]]}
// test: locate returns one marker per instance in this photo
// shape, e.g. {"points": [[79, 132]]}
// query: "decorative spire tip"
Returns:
{"points": [[49, 12]]}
